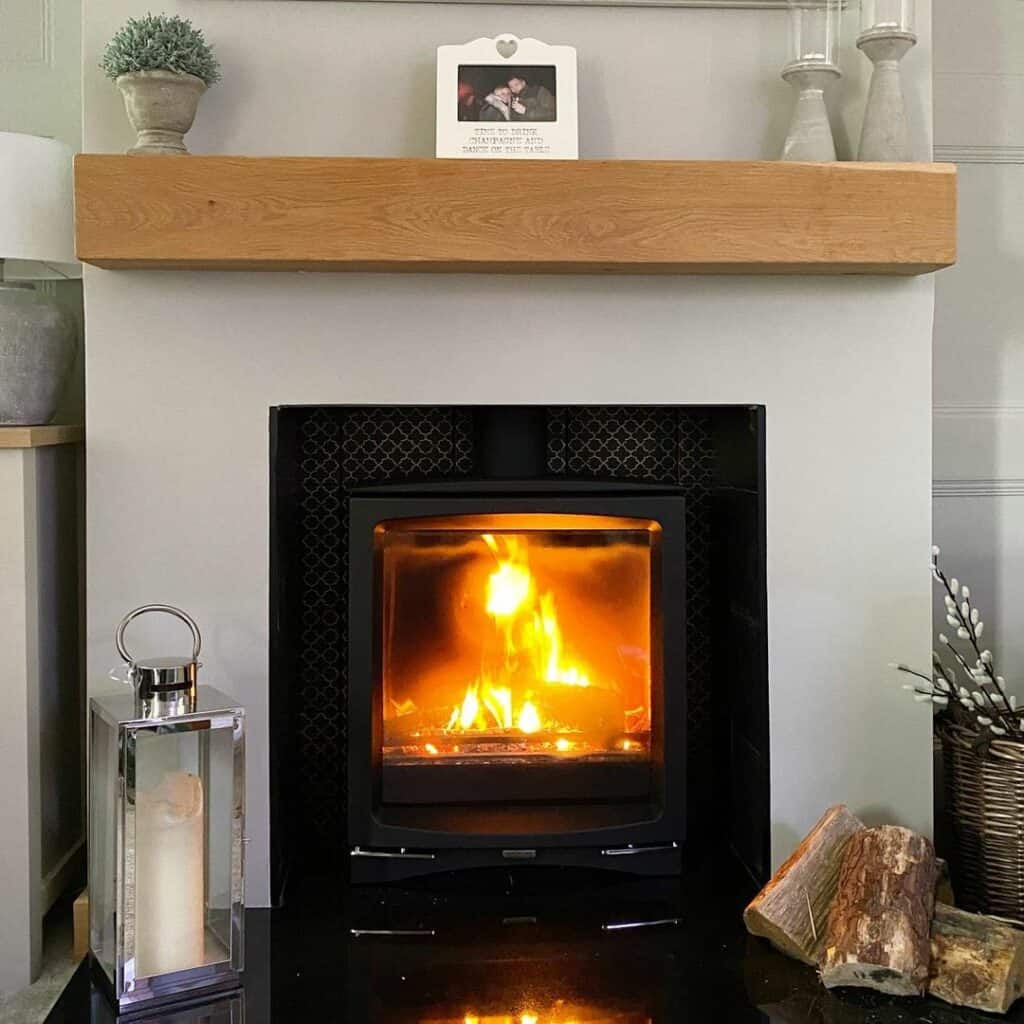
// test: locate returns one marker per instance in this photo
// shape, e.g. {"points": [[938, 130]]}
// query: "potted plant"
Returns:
{"points": [[162, 65], [982, 734]]}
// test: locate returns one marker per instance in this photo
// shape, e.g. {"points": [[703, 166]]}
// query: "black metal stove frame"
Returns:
{"points": [[322, 457], [576, 813]]}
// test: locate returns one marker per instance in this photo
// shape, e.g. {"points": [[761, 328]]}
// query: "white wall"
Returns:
{"points": [[358, 78], [979, 317], [183, 367]]}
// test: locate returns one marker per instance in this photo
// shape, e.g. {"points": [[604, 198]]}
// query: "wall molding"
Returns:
{"points": [[992, 410], [44, 55], [978, 448], [979, 154], [978, 488]]}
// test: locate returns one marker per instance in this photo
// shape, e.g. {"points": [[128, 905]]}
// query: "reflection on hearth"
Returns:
{"points": [[528, 948], [559, 1012], [535, 954]]}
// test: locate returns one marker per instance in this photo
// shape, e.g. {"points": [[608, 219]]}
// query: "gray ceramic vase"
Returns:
{"points": [[161, 106], [37, 351]]}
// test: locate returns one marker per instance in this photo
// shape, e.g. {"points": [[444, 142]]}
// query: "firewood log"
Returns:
{"points": [[792, 910], [977, 961], [591, 710], [879, 928]]}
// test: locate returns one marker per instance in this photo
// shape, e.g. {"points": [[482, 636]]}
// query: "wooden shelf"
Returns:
{"points": [[558, 217], [41, 436]]}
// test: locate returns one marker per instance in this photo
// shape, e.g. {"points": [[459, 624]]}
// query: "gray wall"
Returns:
{"points": [[182, 367], [979, 319]]}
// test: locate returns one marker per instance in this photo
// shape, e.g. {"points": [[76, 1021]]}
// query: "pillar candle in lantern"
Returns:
{"points": [[169, 929]]}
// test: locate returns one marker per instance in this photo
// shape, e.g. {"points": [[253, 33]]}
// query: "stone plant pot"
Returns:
{"points": [[37, 351], [161, 106]]}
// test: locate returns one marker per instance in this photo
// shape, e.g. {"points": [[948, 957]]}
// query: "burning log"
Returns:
{"points": [[792, 910], [977, 961], [591, 710], [413, 727], [582, 712], [879, 927]]}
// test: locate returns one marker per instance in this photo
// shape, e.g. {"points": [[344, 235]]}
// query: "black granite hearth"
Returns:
{"points": [[521, 946]]}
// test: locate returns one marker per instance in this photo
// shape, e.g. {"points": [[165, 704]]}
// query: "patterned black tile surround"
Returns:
{"points": [[320, 454]]}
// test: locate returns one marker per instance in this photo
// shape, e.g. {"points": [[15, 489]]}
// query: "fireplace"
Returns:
{"points": [[514, 641], [511, 687], [485, 653]]}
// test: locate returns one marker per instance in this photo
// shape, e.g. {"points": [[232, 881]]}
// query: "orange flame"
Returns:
{"points": [[508, 693]]}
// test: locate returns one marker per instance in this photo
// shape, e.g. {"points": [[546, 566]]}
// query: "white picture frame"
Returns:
{"points": [[507, 98]]}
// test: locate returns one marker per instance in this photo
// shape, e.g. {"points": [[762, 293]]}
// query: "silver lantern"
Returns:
{"points": [[166, 827]]}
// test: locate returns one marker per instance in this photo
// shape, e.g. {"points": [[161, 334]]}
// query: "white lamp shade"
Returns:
{"points": [[37, 231]]}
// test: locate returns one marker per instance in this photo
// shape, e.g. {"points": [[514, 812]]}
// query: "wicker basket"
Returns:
{"points": [[985, 802]]}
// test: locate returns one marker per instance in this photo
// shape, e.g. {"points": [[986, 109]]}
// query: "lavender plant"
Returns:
{"points": [[160, 42], [984, 704]]}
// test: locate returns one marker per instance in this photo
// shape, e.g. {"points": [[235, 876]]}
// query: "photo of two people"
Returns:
{"points": [[501, 93]]}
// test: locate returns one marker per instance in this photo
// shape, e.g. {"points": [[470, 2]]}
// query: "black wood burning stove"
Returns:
{"points": [[493, 632], [514, 694]]}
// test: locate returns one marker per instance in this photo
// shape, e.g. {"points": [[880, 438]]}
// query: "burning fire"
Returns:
{"points": [[516, 642], [532, 654]]}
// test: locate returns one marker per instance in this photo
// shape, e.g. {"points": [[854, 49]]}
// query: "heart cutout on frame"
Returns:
{"points": [[506, 47]]}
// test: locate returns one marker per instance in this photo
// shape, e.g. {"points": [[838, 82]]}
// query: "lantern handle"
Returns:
{"points": [[197, 638]]}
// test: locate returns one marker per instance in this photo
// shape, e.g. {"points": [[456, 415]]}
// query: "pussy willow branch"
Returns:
{"points": [[1006, 713], [979, 687]]}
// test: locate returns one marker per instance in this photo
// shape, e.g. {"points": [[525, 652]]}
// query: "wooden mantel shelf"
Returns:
{"points": [[557, 217]]}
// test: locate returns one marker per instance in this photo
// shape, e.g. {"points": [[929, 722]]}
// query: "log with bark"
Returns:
{"points": [[879, 927], [792, 910], [977, 961]]}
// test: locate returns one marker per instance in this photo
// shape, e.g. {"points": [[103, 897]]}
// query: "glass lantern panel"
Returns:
{"points": [[814, 31], [103, 842], [181, 862], [890, 15], [223, 874]]}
